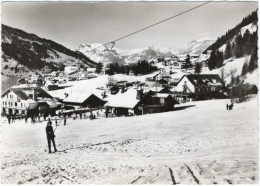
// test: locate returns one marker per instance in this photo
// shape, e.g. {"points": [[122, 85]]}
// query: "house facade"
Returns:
{"points": [[202, 85], [14, 103], [26, 100]]}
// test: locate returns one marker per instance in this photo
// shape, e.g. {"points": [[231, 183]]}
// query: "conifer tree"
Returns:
{"points": [[198, 68], [228, 52], [253, 60], [244, 69], [212, 60]]}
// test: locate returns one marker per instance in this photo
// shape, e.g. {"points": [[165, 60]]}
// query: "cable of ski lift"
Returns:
{"points": [[123, 37]]}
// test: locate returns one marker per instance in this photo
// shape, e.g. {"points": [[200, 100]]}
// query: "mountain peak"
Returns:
{"points": [[197, 46]]}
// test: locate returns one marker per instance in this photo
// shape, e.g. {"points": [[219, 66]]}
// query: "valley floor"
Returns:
{"points": [[199, 143]]}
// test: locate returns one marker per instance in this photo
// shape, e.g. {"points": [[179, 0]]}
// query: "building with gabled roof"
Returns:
{"points": [[206, 85], [84, 100], [21, 100], [138, 102]]}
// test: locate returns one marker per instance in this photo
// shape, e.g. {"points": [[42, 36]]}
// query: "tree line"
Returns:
{"points": [[252, 18], [241, 46], [139, 68]]}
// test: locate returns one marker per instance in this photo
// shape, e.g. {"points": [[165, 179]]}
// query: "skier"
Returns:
{"points": [[50, 136], [227, 106]]}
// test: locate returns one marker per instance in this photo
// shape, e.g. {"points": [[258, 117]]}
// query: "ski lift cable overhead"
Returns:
{"points": [[123, 37]]}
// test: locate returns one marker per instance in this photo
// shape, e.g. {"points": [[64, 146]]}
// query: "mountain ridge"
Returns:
{"points": [[20, 48]]}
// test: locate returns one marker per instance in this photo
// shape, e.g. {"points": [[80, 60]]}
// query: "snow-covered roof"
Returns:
{"points": [[77, 97], [123, 100], [160, 95]]}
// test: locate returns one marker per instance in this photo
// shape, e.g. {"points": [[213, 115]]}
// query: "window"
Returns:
{"points": [[15, 104], [162, 101], [31, 96]]}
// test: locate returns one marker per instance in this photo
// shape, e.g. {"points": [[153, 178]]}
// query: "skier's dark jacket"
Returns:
{"points": [[49, 132]]}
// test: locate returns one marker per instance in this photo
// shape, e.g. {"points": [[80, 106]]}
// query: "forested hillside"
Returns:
{"points": [[236, 43], [33, 52]]}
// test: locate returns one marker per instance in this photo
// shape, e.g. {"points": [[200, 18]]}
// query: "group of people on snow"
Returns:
{"points": [[229, 107]]}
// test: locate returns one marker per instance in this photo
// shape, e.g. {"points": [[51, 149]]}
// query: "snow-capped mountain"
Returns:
{"points": [[101, 54], [104, 55], [197, 46]]}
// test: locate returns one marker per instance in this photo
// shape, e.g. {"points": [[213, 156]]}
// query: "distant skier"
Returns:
{"points": [[50, 136], [98, 113], [39, 117], [25, 118], [227, 106], [12, 118], [231, 106], [106, 112], [9, 118], [74, 116], [80, 115], [56, 122], [65, 119]]}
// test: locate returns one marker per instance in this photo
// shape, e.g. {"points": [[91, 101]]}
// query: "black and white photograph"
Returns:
{"points": [[120, 92]]}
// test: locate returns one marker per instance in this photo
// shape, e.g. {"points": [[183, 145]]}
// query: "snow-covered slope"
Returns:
{"points": [[236, 66], [250, 27], [198, 143], [121, 56], [197, 46]]}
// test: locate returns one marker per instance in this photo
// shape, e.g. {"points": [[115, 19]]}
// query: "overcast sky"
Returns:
{"points": [[77, 22]]}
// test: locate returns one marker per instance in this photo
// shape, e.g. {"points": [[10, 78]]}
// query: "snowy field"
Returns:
{"points": [[198, 143]]}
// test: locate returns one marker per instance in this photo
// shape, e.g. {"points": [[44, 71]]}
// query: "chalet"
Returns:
{"points": [[176, 65], [162, 75], [70, 69], [21, 68], [26, 100], [47, 69], [205, 86], [83, 100], [178, 96], [139, 102], [91, 70]]}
